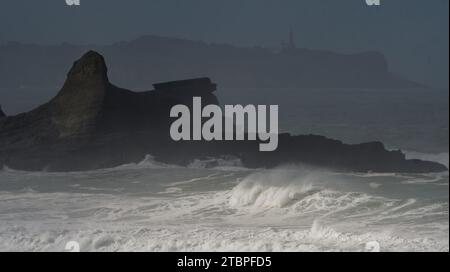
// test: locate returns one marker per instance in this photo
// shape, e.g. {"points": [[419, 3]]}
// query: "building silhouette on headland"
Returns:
{"points": [[290, 45]]}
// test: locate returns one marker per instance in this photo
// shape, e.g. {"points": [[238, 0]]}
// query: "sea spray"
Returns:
{"points": [[273, 188]]}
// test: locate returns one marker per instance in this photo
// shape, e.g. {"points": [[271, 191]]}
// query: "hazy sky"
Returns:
{"points": [[413, 34]]}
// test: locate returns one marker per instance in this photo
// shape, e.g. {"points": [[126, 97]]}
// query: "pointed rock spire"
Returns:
{"points": [[2, 114], [80, 101], [90, 66]]}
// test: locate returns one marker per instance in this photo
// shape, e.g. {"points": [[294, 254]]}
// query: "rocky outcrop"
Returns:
{"points": [[2, 114], [93, 124]]}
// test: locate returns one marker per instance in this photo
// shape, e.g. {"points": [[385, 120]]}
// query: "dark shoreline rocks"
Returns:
{"points": [[2, 114], [92, 124]]}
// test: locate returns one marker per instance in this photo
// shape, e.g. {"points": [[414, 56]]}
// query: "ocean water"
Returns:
{"points": [[409, 119], [155, 207]]}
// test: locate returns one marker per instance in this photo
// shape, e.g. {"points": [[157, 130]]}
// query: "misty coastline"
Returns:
{"points": [[93, 124], [217, 130]]}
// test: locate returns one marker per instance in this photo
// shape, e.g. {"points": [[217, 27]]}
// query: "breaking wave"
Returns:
{"points": [[210, 206], [275, 188]]}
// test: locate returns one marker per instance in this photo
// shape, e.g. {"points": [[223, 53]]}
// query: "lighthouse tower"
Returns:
{"points": [[291, 44]]}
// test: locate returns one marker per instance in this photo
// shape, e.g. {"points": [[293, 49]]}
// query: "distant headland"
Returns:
{"points": [[148, 59]]}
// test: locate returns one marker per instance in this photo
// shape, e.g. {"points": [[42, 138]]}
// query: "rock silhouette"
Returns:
{"points": [[92, 124], [2, 114]]}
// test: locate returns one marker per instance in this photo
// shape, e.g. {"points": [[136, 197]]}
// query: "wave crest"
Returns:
{"points": [[273, 189]]}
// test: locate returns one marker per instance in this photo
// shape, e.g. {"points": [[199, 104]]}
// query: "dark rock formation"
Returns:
{"points": [[93, 124], [2, 114]]}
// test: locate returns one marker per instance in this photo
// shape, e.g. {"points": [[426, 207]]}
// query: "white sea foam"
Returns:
{"points": [[287, 209], [318, 237], [226, 164], [276, 188]]}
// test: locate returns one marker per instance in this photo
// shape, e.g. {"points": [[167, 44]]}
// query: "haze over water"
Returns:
{"points": [[217, 205]]}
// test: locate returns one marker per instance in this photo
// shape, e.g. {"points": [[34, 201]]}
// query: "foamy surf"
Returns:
{"points": [[157, 207]]}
